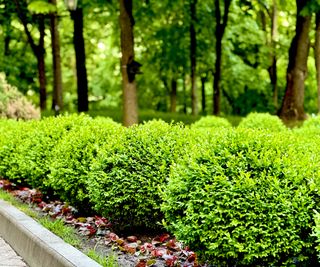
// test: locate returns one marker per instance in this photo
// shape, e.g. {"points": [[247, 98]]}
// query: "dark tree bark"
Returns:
{"points": [[203, 94], [184, 88], [7, 28], [79, 46], [57, 102], [273, 67], [317, 55], [38, 51], [130, 103], [41, 65], [272, 13], [173, 96], [292, 106], [222, 21], [193, 57], [7, 39]]}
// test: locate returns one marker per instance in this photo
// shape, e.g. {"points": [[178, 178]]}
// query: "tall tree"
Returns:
{"points": [[129, 67], [193, 56], [57, 102], [292, 106], [317, 55], [173, 96], [271, 12], [221, 24], [38, 49], [273, 66], [203, 94], [79, 46]]}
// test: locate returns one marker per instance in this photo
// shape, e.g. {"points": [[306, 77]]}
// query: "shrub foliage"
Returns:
{"points": [[239, 197], [212, 122], [244, 200], [130, 171], [262, 121]]}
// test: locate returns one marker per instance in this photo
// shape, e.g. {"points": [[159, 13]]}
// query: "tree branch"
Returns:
{"points": [[24, 21]]}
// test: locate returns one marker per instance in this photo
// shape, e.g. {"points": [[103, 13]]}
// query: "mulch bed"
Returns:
{"points": [[161, 250]]}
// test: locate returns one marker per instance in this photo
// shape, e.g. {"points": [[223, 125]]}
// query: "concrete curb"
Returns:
{"points": [[35, 244]]}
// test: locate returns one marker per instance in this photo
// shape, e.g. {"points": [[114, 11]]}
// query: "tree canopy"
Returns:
{"points": [[222, 57]]}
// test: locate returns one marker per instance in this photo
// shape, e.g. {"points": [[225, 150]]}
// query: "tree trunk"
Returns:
{"points": [[292, 105], [7, 40], [273, 68], [184, 88], [79, 46], [317, 55], [130, 103], [57, 102], [173, 96], [40, 54], [203, 94], [193, 57], [220, 29], [38, 51]]}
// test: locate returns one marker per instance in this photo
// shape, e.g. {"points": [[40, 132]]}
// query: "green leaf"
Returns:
{"points": [[41, 7]]}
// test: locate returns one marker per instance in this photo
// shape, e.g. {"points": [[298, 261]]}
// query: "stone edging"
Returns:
{"points": [[35, 244]]}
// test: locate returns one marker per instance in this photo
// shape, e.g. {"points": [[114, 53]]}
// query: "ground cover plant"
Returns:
{"points": [[240, 196]]}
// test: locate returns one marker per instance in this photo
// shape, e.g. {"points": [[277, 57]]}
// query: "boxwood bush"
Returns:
{"points": [[312, 123], [75, 152], [129, 172], [31, 146], [212, 121], [245, 198], [262, 121], [12, 135]]}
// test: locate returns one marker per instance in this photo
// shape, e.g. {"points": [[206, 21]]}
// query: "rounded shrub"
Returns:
{"points": [[13, 104], [311, 123], [212, 122], [262, 121], [245, 198], [130, 171], [70, 168], [30, 157]]}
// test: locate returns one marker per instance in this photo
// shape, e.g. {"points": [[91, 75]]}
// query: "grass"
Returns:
{"points": [[67, 233], [110, 261], [58, 227]]}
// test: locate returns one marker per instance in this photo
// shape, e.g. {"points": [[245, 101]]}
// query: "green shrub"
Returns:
{"points": [[245, 198], [212, 121], [12, 134], [129, 172], [33, 143], [312, 123], [262, 121], [75, 152], [14, 104]]}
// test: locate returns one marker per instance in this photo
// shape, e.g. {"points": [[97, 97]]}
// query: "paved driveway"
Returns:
{"points": [[8, 257]]}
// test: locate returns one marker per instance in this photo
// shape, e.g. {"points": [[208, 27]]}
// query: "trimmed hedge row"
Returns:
{"points": [[237, 196], [95, 163]]}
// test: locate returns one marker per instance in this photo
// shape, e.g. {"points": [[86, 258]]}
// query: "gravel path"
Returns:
{"points": [[8, 257]]}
